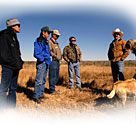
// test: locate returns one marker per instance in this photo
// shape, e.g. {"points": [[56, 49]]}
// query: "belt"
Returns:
{"points": [[55, 60], [39, 62], [74, 61]]}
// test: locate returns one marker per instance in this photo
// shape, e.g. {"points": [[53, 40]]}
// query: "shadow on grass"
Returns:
{"points": [[104, 100], [62, 82], [95, 90], [28, 92], [88, 84], [30, 83]]}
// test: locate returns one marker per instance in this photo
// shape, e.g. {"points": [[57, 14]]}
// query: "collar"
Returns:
{"points": [[116, 40], [72, 45], [53, 40]]}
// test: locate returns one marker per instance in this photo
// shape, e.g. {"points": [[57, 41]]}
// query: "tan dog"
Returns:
{"points": [[123, 89]]}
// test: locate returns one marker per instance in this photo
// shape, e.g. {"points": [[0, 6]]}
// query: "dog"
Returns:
{"points": [[123, 89]]}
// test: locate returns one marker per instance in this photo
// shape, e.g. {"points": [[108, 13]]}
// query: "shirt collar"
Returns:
{"points": [[53, 40], [116, 40]]}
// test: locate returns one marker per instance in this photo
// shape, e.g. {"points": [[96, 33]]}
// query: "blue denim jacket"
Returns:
{"points": [[42, 51]]}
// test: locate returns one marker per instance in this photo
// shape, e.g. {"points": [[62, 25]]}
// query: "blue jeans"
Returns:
{"points": [[53, 75], [117, 70], [40, 80], [74, 66], [8, 84]]}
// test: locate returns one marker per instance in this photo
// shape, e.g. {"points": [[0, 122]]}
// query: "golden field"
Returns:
{"points": [[96, 83]]}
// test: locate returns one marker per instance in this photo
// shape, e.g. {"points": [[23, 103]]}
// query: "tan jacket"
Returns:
{"points": [[55, 51], [69, 55], [117, 50]]}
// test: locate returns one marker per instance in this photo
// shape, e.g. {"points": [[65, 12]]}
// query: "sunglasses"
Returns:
{"points": [[116, 34], [73, 40], [17, 25], [56, 35]]}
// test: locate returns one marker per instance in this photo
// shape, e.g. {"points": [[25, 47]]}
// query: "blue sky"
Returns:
{"points": [[91, 25]]}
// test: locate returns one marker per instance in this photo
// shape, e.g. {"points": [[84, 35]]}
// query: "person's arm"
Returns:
{"points": [[80, 54], [110, 53], [51, 48], [38, 51], [65, 56], [125, 51], [5, 51]]}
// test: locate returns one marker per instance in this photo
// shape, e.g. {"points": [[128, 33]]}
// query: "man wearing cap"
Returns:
{"points": [[72, 55], [42, 54], [54, 66], [11, 62], [117, 53]]}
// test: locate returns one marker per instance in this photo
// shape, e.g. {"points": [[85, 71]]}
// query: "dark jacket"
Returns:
{"points": [[69, 54], [10, 55]]}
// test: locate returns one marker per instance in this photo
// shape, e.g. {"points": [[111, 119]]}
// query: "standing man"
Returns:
{"points": [[72, 55], [11, 62], [42, 54], [117, 53], [54, 66]]}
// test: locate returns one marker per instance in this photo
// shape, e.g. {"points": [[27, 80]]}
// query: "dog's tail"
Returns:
{"points": [[112, 93]]}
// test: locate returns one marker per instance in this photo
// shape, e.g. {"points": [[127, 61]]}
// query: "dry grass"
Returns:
{"points": [[96, 83]]}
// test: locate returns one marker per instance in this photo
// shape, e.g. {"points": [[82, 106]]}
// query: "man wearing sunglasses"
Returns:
{"points": [[11, 62], [72, 55], [117, 53]]}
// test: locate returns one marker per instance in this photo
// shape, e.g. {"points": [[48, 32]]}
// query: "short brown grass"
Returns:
{"points": [[96, 83]]}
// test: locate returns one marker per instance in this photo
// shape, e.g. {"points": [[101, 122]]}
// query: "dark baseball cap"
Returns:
{"points": [[46, 29]]}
